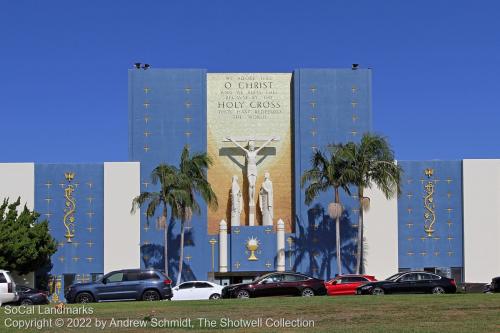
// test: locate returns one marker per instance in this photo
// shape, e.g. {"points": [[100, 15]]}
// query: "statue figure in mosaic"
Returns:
{"points": [[236, 202], [266, 200], [251, 161]]}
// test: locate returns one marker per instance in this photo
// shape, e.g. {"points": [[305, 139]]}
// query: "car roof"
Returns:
{"points": [[135, 270], [198, 281]]}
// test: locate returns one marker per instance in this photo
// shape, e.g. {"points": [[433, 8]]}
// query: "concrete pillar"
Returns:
{"points": [[223, 246], [251, 215], [280, 240]]}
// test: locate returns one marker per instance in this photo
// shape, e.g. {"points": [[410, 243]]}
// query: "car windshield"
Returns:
{"points": [[393, 277]]}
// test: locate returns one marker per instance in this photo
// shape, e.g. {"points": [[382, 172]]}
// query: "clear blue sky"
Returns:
{"points": [[63, 82]]}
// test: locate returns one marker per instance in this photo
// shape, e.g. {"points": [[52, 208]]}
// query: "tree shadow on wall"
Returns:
{"points": [[152, 254], [314, 244]]}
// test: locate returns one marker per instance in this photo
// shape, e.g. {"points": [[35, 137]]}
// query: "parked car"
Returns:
{"points": [[123, 285], [494, 286], [8, 292], [30, 296], [409, 282], [193, 290], [347, 284], [277, 284]]}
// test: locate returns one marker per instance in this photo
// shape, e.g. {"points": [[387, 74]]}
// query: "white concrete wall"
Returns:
{"points": [[18, 180], [381, 235], [481, 190], [121, 229]]}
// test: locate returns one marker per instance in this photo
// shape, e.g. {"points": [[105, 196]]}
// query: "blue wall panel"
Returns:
{"points": [[239, 254], [444, 247], [84, 254], [330, 106], [167, 110]]}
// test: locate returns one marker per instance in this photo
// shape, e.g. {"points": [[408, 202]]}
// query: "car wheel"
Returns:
{"points": [[150, 295], [307, 292], [243, 294], [84, 298], [377, 291], [26, 302], [214, 296], [438, 290]]}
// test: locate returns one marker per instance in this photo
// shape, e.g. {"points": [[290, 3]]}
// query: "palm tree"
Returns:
{"points": [[372, 162], [172, 193], [329, 170], [193, 170], [178, 189]]}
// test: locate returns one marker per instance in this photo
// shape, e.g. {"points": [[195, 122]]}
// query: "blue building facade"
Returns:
{"points": [[330, 106], [168, 110], [73, 194], [430, 217]]}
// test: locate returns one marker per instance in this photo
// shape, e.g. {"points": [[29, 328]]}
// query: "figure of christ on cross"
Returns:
{"points": [[251, 162]]}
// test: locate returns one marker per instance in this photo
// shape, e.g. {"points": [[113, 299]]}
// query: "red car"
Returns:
{"points": [[347, 284]]}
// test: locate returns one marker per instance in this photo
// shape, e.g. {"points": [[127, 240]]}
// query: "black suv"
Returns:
{"points": [[124, 285]]}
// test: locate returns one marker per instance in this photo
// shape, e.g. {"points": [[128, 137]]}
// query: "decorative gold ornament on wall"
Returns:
{"points": [[70, 207], [252, 246], [429, 213]]}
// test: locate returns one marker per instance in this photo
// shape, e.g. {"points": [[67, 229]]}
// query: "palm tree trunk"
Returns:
{"points": [[337, 234], [165, 239], [359, 254], [181, 257]]}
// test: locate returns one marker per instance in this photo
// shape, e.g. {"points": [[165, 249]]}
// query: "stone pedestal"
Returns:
{"points": [[280, 241], [223, 246]]}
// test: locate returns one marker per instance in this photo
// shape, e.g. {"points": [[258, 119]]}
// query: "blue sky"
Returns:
{"points": [[63, 83]]}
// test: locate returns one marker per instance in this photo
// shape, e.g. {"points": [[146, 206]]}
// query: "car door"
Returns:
{"points": [[291, 284], [202, 290], [331, 286], [425, 282], [353, 283], [406, 283], [132, 285], [270, 286], [184, 291], [339, 287], [111, 287]]}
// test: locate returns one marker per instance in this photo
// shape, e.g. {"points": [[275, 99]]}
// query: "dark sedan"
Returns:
{"points": [[277, 284], [494, 286], [409, 282], [30, 296]]}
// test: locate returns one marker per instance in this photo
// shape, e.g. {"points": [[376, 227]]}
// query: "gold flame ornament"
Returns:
{"points": [[430, 213], [70, 207], [55, 287], [252, 246]]}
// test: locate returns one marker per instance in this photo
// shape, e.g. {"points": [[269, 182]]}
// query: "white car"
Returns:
{"points": [[195, 290], [7, 288]]}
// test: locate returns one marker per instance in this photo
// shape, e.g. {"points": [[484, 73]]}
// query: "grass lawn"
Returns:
{"points": [[401, 313]]}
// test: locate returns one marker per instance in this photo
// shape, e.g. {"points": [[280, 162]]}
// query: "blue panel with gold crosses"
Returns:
{"points": [[331, 106], [70, 197], [430, 225], [252, 249], [167, 110]]}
